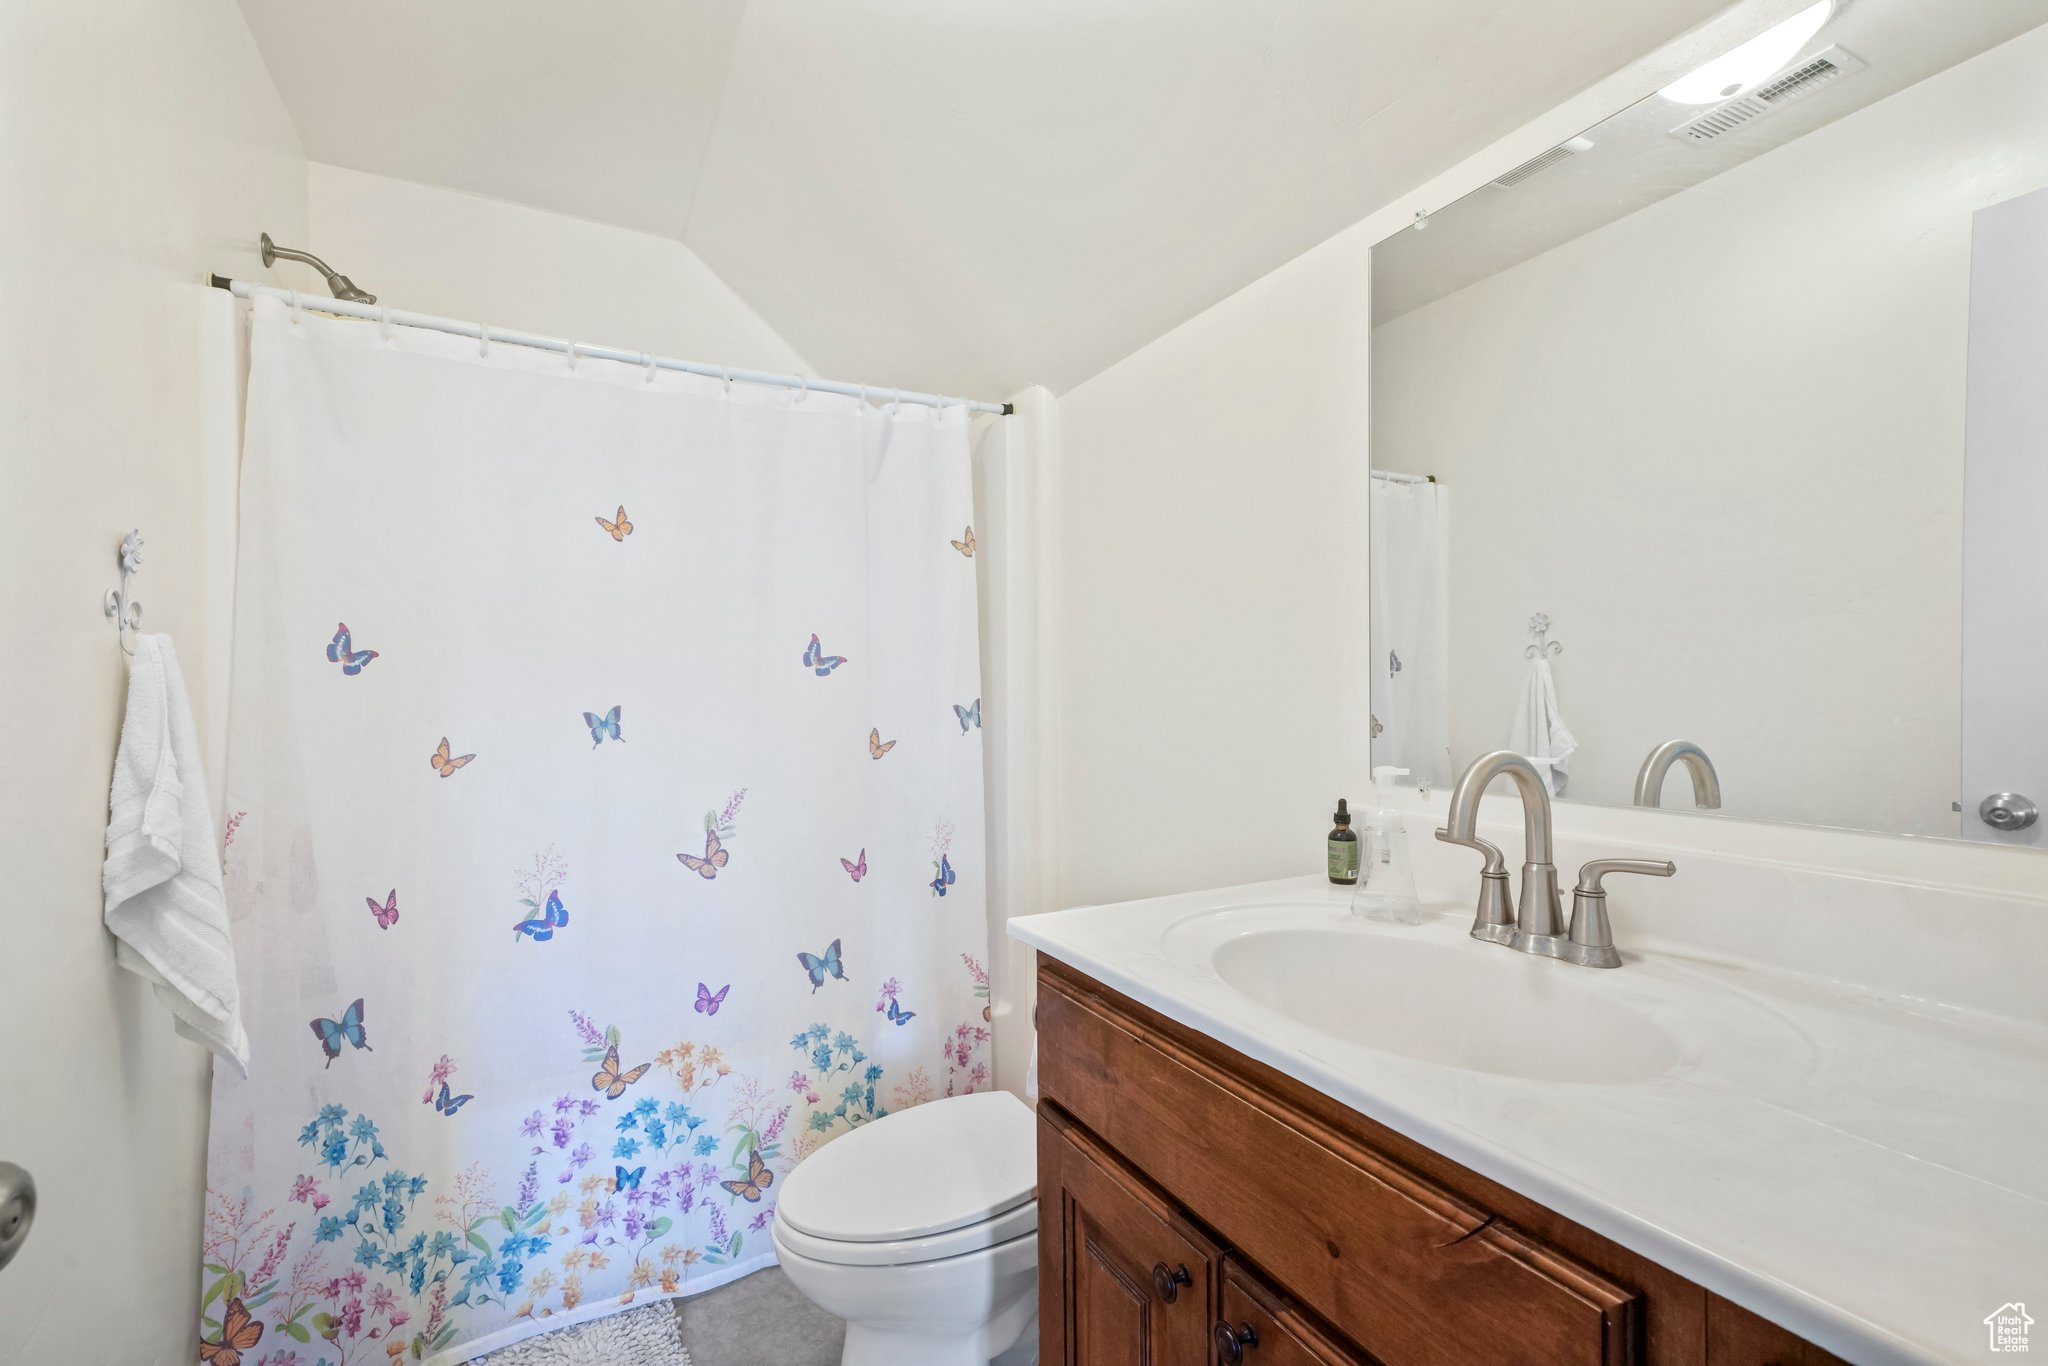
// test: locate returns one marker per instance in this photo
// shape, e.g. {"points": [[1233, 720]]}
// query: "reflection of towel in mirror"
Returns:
{"points": [[162, 876], [1539, 731]]}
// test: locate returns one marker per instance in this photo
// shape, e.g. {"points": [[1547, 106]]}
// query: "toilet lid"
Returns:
{"points": [[938, 1166]]}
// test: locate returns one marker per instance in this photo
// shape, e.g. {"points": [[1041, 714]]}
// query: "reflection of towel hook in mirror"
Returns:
{"points": [[120, 602], [1539, 627]]}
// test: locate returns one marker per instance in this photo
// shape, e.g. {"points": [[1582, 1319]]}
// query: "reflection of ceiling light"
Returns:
{"points": [[1756, 61]]}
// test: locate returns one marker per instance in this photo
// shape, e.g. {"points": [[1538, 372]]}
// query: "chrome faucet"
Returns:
{"points": [[1589, 941], [1706, 784], [1540, 928]]}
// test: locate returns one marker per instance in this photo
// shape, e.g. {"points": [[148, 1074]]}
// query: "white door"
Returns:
{"points": [[2005, 520]]}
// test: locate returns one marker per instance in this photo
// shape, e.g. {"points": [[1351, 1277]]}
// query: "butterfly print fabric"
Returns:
{"points": [[654, 947]]}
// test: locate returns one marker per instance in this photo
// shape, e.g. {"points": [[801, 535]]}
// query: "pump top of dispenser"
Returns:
{"points": [[1385, 814]]}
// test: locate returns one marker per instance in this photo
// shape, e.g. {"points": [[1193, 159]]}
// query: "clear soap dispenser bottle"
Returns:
{"points": [[1386, 876]]}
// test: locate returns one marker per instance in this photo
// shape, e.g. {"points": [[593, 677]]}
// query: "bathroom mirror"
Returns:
{"points": [[1727, 423]]}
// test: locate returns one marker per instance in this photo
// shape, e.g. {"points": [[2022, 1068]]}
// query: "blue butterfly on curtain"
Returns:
{"points": [[821, 967], [818, 661], [341, 650], [898, 1015], [603, 727], [348, 1029], [969, 716], [552, 917], [944, 877], [624, 1180], [445, 1104]]}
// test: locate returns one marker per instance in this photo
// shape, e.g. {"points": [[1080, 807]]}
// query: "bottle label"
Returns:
{"points": [[1344, 860]]}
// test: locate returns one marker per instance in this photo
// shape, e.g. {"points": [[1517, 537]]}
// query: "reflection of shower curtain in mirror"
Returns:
{"points": [[1411, 628], [607, 861]]}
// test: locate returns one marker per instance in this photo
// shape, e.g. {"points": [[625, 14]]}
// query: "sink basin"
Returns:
{"points": [[1467, 1005]]}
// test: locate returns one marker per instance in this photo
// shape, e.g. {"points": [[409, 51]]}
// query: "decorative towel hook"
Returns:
{"points": [[1539, 627], [120, 602]]}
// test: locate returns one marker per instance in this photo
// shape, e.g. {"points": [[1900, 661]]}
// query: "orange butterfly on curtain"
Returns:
{"points": [[966, 547], [875, 746], [239, 1333], [444, 765], [620, 529], [716, 856], [610, 1080], [759, 1178]]}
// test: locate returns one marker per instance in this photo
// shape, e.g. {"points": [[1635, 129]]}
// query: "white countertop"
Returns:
{"points": [[1865, 1170]]}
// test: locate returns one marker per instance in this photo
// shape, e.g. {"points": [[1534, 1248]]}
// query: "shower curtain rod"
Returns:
{"points": [[244, 289], [1393, 478]]}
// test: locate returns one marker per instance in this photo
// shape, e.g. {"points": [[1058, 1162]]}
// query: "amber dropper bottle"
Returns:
{"points": [[1343, 848]]}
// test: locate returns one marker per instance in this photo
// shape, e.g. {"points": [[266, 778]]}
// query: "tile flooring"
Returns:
{"points": [[761, 1320]]}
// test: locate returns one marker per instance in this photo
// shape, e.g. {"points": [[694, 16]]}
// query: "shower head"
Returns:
{"points": [[340, 285]]}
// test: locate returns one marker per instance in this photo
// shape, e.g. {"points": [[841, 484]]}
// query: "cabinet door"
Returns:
{"points": [[1258, 1327], [1124, 1279]]}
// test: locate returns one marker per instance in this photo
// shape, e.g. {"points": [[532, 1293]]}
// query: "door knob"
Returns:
{"points": [[1168, 1283], [2008, 811], [1233, 1343], [17, 1209]]}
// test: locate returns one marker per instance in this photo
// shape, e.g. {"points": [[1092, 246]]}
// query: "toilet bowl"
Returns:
{"points": [[920, 1230]]}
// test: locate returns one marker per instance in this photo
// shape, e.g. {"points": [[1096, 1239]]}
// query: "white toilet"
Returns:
{"points": [[921, 1231]]}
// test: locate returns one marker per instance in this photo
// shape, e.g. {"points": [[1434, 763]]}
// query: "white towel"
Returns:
{"points": [[1539, 731], [162, 877]]}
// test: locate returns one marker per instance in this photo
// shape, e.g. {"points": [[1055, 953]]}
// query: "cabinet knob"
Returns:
{"points": [[1233, 1343], [1168, 1283]]}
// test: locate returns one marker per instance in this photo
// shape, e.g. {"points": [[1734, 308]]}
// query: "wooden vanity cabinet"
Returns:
{"points": [[1211, 1210]]}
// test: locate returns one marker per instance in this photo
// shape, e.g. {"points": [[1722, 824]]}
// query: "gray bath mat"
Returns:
{"points": [[647, 1336]]}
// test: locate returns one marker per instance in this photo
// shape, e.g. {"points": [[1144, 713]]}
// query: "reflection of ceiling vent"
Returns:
{"points": [[1543, 161], [1822, 68]]}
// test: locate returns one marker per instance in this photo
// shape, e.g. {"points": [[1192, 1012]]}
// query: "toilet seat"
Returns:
{"points": [[945, 1178], [1014, 1223]]}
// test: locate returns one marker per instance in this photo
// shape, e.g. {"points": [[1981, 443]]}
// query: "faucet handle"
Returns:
{"points": [[1493, 919], [1496, 862], [1591, 873], [1590, 941]]}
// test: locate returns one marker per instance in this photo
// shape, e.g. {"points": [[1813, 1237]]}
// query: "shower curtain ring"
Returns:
{"points": [[483, 342], [803, 388], [896, 403], [725, 377], [298, 306], [572, 356], [384, 324], [650, 367]]}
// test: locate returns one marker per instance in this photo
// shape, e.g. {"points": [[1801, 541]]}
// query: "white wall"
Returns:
{"points": [[1212, 681], [1720, 442], [141, 144], [462, 256]]}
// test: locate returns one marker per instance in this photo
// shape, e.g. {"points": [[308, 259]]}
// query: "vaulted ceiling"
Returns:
{"points": [[966, 196]]}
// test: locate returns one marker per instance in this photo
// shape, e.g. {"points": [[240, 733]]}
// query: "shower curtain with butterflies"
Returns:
{"points": [[604, 830]]}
